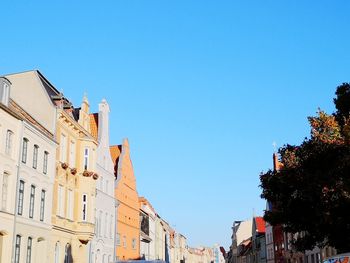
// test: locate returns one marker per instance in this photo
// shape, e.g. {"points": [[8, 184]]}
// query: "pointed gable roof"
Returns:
{"points": [[260, 224]]}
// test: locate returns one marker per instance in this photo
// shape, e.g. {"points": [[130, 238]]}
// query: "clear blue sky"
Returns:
{"points": [[200, 88]]}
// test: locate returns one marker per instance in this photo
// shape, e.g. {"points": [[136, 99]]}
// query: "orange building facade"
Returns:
{"points": [[128, 215]]}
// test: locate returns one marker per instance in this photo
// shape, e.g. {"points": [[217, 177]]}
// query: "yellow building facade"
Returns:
{"points": [[128, 215], [73, 208]]}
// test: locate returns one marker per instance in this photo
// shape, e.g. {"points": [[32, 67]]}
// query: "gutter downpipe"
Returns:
{"points": [[16, 196]]}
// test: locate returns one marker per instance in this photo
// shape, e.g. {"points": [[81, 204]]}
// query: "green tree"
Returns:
{"points": [[310, 193]]}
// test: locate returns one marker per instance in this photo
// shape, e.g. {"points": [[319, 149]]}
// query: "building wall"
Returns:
{"points": [[128, 217]]}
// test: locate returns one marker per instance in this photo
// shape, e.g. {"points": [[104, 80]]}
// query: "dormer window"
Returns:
{"points": [[4, 91]]}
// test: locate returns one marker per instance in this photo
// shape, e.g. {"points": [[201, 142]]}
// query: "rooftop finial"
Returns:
{"points": [[274, 144]]}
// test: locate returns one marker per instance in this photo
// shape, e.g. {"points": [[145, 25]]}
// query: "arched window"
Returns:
{"points": [[57, 252], [17, 248], [29, 250], [9, 141], [24, 150], [5, 186], [68, 254], [106, 224], [35, 156], [100, 224]]}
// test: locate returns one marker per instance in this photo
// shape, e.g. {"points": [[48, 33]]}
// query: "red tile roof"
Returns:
{"points": [[94, 125], [260, 224]]}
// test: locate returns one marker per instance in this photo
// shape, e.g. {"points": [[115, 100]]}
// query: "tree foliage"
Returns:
{"points": [[310, 192]]}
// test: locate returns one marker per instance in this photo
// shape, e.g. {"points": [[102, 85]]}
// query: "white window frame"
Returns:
{"points": [[8, 144], [57, 252], [70, 202], [61, 198], [24, 150], [29, 250], [42, 205], [35, 156], [72, 149], [106, 225], [18, 248], [20, 197], [63, 148], [5, 188], [118, 239], [5, 93], [45, 162], [31, 201]]}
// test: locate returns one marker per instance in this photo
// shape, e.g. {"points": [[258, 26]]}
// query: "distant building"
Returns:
{"points": [[258, 240], [147, 230]]}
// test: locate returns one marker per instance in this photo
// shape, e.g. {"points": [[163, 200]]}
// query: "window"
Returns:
{"points": [[35, 156], [107, 185], [42, 205], [106, 224], [124, 241], [118, 239], [133, 243], [72, 154], [101, 183], [17, 248], [86, 158], [57, 252], [84, 208], [20, 198], [5, 181], [111, 227], [4, 91], [68, 254], [8, 144], [31, 204], [63, 148], [24, 150], [29, 250], [100, 224], [60, 207], [70, 201], [46, 157]]}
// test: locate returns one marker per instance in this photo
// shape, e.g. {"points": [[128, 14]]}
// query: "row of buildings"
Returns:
{"points": [[256, 241], [66, 194]]}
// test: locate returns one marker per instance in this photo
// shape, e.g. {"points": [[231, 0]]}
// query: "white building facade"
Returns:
{"points": [[148, 230], [35, 167], [103, 243], [10, 135]]}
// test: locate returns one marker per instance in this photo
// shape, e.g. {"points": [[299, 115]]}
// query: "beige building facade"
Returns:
{"points": [[73, 216]]}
